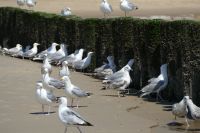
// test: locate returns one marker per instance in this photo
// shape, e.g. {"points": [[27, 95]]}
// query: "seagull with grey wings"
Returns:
{"points": [[51, 50], [44, 96], [156, 85], [66, 11], [32, 52], [64, 71], [127, 6], [105, 8], [12, 51], [180, 109], [69, 117]]}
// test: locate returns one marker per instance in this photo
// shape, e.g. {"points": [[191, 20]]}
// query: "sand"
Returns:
{"points": [[147, 8], [20, 112]]}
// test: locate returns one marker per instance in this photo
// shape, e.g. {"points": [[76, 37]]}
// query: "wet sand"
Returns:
{"points": [[20, 112], [147, 8]]}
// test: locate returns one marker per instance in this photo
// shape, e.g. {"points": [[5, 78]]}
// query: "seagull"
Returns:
{"points": [[51, 83], [49, 51], [55, 57], [21, 3], [121, 82], [64, 70], [71, 56], [118, 73], [66, 12], [156, 85], [13, 51], [46, 65], [21, 52], [44, 97], [193, 110], [83, 64], [31, 3], [77, 57], [105, 7], [73, 91], [69, 117], [127, 6], [32, 52], [180, 109]]}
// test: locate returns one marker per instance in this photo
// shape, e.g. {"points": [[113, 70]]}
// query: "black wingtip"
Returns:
{"points": [[89, 94], [88, 124]]}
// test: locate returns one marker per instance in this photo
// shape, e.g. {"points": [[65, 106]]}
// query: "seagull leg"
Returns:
{"points": [[174, 117], [65, 130], [43, 108], [125, 13], [72, 102], [49, 110], [79, 129], [187, 122], [77, 104]]}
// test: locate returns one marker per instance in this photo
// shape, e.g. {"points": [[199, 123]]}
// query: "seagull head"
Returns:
{"points": [[62, 100], [68, 9], [64, 63], [54, 44], [39, 85], [18, 46], [65, 78], [36, 44], [46, 70], [185, 99], [121, 1], [90, 53], [128, 68]]}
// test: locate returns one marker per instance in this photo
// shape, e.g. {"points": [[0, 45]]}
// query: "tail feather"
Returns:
{"points": [[144, 94]]}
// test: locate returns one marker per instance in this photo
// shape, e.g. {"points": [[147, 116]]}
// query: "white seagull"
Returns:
{"points": [[156, 85], [73, 91], [32, 52], [118, 73], [69, 117], [193, 110], [12, 51], [83, 64], [71, 56], [31, 3], [21, 3], [51, 83], [44, 97], [49, 51], [121, 82], [127, 6], [180, 109], [46, 65], [105, 7], [55, 57], [77, 57], [66, 12], [64, 71]]}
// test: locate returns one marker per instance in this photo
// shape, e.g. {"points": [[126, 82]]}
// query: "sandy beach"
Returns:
{"points": [[20, 111], [147, 8]]}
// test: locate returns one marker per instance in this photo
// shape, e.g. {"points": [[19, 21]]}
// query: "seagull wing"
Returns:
{"points": [[78, 92], [56, 83]]}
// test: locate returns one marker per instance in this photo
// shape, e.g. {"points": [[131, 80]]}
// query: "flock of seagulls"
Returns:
{"points": [[111, 78], [106, 8]]}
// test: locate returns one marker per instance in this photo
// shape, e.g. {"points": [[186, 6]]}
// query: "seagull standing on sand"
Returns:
{"points": [[21, 3], [66, 12], [156, 85], [69, 117], [32, 52], [180, 109], [121, 82], [105, 7], [118, 73], [193, 110], [64, 70], [13, 51], [77, 57], [49, 51], [127, 6], [71, 56], [44, 97], [55, 57], [73, 91], [83, 64], [50, 82]]}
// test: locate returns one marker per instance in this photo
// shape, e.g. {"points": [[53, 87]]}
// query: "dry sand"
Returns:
{"points": [[90, 8], [108, 113]]}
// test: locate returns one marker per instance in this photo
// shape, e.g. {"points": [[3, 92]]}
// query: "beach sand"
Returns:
{"points": [[20, 112], [147, 8]]}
